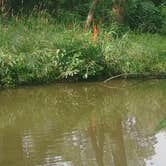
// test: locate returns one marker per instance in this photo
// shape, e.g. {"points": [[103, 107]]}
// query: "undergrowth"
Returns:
{"points": [[37, 50]]}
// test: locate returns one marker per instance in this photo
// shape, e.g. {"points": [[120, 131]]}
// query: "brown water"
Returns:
{"points": [[84, 124]]}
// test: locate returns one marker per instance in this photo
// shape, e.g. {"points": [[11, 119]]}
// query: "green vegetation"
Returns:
{"points": [[161, 125], [43, 47]]}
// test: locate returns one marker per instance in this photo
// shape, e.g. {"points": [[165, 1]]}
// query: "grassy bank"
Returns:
{"points": [[37, 50]]}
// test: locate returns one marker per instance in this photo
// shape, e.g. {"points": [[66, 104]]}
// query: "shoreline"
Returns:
{"points": [[104, 80]]}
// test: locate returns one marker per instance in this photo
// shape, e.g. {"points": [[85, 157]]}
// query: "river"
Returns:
{"points": [[84, 124]]}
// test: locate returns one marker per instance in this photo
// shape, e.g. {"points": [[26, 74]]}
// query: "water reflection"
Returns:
{"points": [[83, 125], [113, 132]]}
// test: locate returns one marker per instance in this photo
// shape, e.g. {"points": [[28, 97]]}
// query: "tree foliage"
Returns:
{"points": [[144, 15]]}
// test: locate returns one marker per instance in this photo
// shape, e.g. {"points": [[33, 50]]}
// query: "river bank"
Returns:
{"points": [[35, 51]]}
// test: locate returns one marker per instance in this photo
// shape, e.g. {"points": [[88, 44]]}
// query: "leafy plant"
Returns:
{"points": [[143, 15]]}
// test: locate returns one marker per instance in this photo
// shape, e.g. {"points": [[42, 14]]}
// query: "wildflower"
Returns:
{"points": [[95, 32]]}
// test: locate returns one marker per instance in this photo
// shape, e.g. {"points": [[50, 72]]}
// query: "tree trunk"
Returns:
{"points": [[118, 10], [1, 5], [91, 14], [1, 2]]}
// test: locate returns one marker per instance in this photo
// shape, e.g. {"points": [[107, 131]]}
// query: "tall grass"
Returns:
{"points": [[37, 49], [136, 53]]}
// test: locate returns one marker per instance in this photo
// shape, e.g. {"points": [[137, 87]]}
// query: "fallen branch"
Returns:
{"points": [[117, 76], [160, 75]]}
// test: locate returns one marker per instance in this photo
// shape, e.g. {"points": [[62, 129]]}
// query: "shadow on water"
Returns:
{"points": [[84, 124]]}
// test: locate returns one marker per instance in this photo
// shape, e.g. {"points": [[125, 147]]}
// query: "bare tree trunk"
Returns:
{"points": [[1, 5], [118, 10], [91, 14], [118, 13]]}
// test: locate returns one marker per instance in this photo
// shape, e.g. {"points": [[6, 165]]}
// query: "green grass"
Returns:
{"points": [[137, 53], [37, 50]]}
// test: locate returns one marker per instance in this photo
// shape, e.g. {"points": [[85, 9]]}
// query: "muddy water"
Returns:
{"points": [[84, 124]]}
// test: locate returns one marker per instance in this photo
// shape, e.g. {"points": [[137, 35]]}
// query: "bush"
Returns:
{"points": [[38, 51], [163, 14], [143, 15]]}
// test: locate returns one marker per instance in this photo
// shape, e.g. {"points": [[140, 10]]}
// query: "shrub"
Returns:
{"points": [[163, 14], [143, 15], [38, 51]]}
